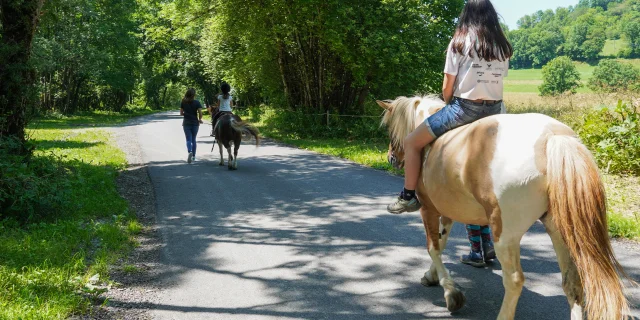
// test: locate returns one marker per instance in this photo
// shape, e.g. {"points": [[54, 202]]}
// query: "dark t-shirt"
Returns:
{"points": [[191, 113]]}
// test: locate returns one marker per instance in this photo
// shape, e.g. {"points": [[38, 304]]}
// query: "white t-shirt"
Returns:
{"points": [[225, 104], [476, 78]]}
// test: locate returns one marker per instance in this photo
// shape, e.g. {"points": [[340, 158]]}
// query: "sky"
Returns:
{"points": [[512, 10]]}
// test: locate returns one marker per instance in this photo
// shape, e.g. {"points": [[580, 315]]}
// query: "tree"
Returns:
{"points": [[19, 20], [630, 27], [585, 37], [613, 76], [558, 77], [320, 56]]}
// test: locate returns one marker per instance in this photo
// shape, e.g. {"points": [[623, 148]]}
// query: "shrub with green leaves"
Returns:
{"points": [[558, 77], [30, 187], [613, 135], [615, 76]]}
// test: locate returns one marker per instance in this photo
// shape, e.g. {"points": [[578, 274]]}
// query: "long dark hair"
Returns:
{"points": [[189, 96], [226, 88], [479, 22]]}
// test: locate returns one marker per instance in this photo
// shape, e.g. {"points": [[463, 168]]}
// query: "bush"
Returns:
{"points": [[614, 138], [299, 125], [614, 76], [30, 186], [559, 76]]}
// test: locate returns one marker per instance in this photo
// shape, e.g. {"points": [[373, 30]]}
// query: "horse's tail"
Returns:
{"points": [[578, 208], [245, 127]]}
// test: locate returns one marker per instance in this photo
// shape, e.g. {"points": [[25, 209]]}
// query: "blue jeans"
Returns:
{"points": [[458, 113], [190, 132]]}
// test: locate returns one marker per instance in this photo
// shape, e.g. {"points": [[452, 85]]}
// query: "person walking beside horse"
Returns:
{"points": [[191, 110]]}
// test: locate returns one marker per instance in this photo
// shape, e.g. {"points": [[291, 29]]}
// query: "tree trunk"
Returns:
{"points": [[19, 21]]}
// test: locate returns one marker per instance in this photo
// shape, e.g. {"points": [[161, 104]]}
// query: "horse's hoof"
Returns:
{"points": [[428, 282], [221, 164], [455, 300], [230, 168]]}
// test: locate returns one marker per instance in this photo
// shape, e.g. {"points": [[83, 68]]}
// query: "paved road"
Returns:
{"points": [[296, 235]]}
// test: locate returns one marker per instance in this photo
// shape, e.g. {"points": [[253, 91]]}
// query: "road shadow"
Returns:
{"points": [[329, 214]]}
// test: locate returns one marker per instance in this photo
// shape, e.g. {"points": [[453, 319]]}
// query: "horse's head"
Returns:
{"points": [[402, 116]]}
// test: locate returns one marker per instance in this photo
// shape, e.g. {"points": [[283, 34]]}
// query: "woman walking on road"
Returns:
{"points": [[191, 110]]}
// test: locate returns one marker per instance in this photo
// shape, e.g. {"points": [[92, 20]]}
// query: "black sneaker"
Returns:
{"points": [[473, 259], [488, 252]]}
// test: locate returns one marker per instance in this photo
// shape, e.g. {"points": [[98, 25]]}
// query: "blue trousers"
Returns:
{"points": [[190, 133]]}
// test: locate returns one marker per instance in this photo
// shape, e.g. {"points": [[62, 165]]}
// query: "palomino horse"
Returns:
{"points": [[508, 171], [230, 129]]}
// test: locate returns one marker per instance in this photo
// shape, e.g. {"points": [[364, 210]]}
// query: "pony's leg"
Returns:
{"points": [[571, 283], [236, 146], [221, 154], [230, 163], [437, 271], [508, 251], [431, 276]]}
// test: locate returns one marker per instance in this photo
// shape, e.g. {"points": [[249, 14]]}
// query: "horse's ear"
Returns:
{"points": [[385, 104]]}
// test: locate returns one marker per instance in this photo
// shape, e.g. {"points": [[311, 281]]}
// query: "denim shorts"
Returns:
{"points": [[460, 112]]}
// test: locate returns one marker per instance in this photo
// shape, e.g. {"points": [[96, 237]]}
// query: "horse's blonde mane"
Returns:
{"points": [[400, 118]]}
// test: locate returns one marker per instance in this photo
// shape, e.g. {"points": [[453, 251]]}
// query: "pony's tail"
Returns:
{"points": [[578, 207], [246, 127]]}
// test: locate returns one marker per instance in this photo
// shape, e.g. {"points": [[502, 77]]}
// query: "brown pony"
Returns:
{"points": [[508, 171], [229, 130]]}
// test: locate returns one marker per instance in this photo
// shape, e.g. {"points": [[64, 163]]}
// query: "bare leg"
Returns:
{"points": [[571, 283], [413, 145], [508, 250]]}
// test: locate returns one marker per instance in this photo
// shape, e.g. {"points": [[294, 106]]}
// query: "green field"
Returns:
{"points": [[528, 80], [612, 47]]}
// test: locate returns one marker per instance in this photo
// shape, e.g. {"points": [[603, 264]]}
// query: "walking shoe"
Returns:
{"points": [[488, 251], [401, 205], [473, 259], [193, 159], [190, 157]]}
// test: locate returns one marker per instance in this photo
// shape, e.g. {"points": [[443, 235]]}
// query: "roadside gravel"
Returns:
{"points": [[134, 287]]}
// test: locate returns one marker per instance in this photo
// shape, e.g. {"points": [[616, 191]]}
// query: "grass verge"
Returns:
{"points": [[56, 265]]}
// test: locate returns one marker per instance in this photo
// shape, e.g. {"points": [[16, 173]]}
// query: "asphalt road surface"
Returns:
{"points": [[297, 235]]}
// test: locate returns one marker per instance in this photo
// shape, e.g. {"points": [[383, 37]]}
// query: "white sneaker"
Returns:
{"points": [[190, 157], [193, 159]]}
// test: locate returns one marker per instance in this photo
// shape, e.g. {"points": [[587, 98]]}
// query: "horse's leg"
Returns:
{"points": [[508, 251], [570, 278], [236, 146], [452, 294], [431, 276], [221, 155], [230, 163]]}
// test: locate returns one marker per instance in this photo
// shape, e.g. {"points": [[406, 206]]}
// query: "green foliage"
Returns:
{"points": [[621, 226], [300, 125], [63, 249], [613, 135], [558, 77], [579, 32], [30, 187], [630, 27], [85, 53], [615, 76], [327, 55]]}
